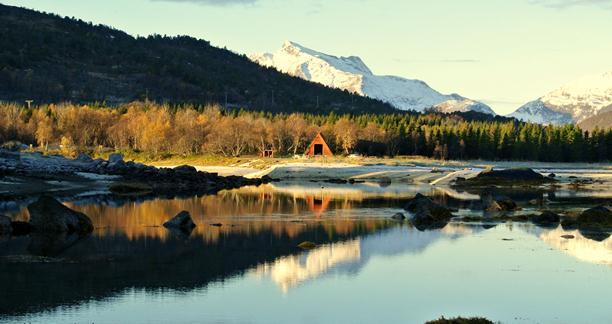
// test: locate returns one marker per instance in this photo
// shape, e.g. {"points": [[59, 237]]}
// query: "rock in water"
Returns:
{"points": [[307, 245], [5, 225], [21, 228], [422, 203], [51, 216], [600, 215], [546, 218], [499, 203], [398, 216], [182, 220], [427, 213], [508, 177]]}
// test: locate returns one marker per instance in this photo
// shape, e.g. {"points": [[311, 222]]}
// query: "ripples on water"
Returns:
{"points": [[366, 268]]}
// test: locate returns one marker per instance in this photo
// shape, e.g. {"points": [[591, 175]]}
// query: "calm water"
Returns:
{"points": [[365, 269]]}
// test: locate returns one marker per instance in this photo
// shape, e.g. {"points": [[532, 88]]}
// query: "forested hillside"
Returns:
{"points": [[161, 130], [50, 59]]}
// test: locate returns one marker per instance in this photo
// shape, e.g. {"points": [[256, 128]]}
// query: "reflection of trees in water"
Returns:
{"points": [[253, 209], [103, 265]]}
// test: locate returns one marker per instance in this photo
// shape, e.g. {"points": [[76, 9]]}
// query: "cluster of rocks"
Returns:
{"points": [[114, 165], [183, 178], [159, 180], [427, 214]]}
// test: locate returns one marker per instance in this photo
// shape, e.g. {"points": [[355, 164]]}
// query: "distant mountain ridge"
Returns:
{"points": [[50, 59], [352, 74], [572, 103], [603, 120]]}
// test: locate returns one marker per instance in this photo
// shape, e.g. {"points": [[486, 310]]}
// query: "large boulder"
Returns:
{"points": [[21, 228], [427, 212], [5, 225], [599, 216], [516, 176], [48, 215], [181, 221], [546, 218], [498, 203]]}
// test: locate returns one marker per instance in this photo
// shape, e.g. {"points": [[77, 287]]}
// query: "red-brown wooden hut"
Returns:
{"points": [[318, 147]]}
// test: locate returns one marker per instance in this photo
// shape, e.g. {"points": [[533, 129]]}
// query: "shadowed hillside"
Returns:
{"points": [[602, 120], [50, 59]]}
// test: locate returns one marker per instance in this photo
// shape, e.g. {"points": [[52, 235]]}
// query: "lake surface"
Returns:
{"points": [[241, 264]]}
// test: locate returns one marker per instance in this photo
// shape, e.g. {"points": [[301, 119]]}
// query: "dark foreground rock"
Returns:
{"points": [[5, 225], [185, 169], [50, 216], [519, 176], [600, 215], [594, 223], [498, 203], [21, 228], [427, 213], [546, 218], [181, 221]]}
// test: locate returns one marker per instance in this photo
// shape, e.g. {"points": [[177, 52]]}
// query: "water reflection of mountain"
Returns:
{"points": [[350, 257], [104, 265], [580, 247]]}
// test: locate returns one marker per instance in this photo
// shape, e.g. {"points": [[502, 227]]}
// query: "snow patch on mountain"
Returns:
{"points": [[461, 104], [571, 103], [351, 74], [537, 112]]}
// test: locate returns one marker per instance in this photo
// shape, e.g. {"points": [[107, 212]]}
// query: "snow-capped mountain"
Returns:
{"points": [[462, 105], [572, 103], [350, 73]]}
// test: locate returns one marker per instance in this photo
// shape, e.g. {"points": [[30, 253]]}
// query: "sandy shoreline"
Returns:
{"points": [[435, 174]]}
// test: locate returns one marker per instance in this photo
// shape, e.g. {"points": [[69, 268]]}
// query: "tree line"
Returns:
{"points": [[191, 130]]}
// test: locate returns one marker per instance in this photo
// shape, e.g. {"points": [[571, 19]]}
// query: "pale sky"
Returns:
{"points": [[502, 52]]}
